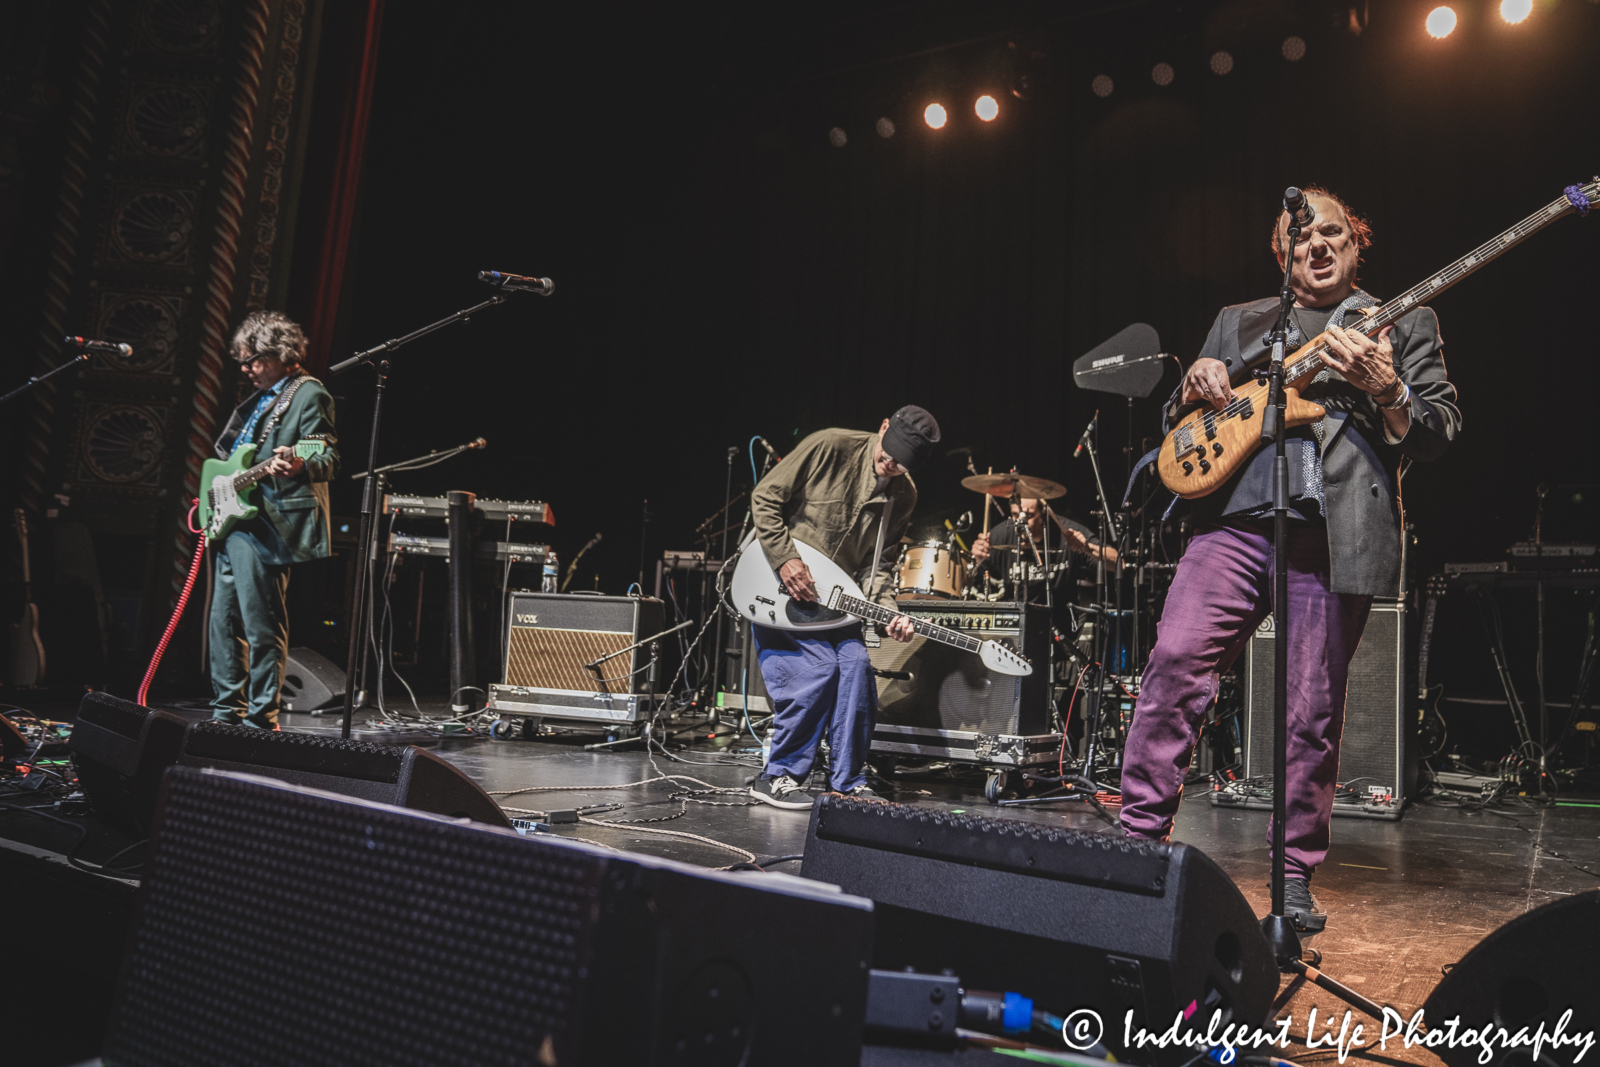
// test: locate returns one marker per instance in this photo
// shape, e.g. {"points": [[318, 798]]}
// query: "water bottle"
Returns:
{"points": [[550, 566]]}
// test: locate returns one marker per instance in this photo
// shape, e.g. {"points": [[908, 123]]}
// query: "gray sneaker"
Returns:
{"points": [[782, 792]]}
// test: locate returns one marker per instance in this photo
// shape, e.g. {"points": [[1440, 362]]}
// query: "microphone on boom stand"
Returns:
{"points": [[519, 282], [573, 566], [1087, 431]]}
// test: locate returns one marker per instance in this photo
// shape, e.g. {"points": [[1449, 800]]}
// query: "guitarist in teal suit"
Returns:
{"points": [[249, 634]]}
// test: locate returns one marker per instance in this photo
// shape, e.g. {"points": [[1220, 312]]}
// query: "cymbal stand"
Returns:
{"points": [[1082, 785]]}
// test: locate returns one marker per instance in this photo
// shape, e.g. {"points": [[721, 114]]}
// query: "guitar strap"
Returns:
{"points": [[877, 553], [283, 404]]}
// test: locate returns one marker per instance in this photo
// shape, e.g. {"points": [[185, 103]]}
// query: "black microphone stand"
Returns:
{"points": [[81, 357], [1279, 931], [369, 496]]}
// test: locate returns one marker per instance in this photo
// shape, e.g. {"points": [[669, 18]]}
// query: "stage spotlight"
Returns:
{"points": [[1221, 62], [935, 116], [1101, 85], [1294, 49], [986, 108], [837, 137], [1514, 11], [1162, 74], [1441, 21], [885, 129]]}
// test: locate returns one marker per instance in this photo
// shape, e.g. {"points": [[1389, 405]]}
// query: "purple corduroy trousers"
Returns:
{"points": [[1222, 590]]}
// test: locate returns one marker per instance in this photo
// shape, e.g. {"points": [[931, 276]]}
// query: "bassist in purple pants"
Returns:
{"points": [[1388, 400]]}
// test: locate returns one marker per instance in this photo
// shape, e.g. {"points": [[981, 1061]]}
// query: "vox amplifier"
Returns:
{"points": [[551, 638], [952, 706]]}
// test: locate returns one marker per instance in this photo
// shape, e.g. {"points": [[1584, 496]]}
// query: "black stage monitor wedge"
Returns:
{"points": [[1527, 973], [287, 926], [119, 751], [1071, 919], [311, 681], [403, 775]]}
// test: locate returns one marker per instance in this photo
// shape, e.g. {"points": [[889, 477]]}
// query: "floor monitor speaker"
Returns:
{"points": [[119, 751], [311, 681], [370, 936], [403, 775], [1530, 971], [1069, 918]]}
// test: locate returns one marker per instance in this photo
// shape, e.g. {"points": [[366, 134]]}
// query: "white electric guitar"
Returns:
{"points": [[759, 595]]}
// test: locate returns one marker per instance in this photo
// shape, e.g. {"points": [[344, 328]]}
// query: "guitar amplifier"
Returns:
{"points": [[953, 707], [1374, 755], [550, 640]]}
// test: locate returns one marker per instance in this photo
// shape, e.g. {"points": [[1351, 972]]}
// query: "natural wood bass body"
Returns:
{"points": [[1208, 446]]}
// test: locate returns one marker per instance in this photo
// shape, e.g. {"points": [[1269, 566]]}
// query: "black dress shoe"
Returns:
{"points": [[1301, 908]]}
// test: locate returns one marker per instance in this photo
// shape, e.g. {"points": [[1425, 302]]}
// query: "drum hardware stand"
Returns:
{"points": [[1082, 785], [721, 659]]}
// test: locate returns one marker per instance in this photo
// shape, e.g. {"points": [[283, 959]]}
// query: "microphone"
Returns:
{"points": [[542, 286], [104, 347], [1087, 430], [1298, 205], [773, 452], [478, 443]]}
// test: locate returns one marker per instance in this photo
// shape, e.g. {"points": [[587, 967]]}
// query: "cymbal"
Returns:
{"points": [[1000, 485]]}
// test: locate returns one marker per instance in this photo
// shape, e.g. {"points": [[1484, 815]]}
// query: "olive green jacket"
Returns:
{"points": [[825, 494], [295, 522]]}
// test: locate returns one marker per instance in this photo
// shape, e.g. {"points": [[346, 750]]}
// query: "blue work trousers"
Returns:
{"points": [[818, 681]]}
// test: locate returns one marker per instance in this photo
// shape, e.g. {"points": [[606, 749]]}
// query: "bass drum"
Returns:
{"points": [[930, 570]]}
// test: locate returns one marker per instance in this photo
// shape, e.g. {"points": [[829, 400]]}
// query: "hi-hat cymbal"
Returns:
{"points": [[1001, 485]]}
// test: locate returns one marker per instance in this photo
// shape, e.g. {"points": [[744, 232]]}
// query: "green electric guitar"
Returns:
{"points": [[228, 486]]}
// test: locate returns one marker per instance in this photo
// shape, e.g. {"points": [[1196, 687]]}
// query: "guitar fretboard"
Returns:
{"points": [[863, 609], [1308, 360]]}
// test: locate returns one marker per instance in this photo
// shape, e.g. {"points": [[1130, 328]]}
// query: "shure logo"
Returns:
{"points": [[528, 620], [1107, 361]]}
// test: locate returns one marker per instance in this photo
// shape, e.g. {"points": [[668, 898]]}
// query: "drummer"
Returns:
{"points": [[993, 552]]}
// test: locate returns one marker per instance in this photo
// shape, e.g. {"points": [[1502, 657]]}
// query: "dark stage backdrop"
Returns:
{"points": [[723, 270]]}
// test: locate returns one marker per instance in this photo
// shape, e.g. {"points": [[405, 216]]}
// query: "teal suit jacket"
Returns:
{"points": [[295, 522]]}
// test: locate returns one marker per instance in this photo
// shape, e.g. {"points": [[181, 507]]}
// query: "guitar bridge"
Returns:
{"points": [[1183, 440]]}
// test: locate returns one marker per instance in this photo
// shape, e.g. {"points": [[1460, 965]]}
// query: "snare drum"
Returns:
{"points": [[931, 569]]}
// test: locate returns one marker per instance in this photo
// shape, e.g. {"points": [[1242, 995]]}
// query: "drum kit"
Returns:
{"points": [[939, 567]]}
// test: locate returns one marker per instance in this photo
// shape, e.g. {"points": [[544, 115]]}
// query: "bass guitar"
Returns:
{"points": [[759, 595], [27, 649], [228, 486], [1208, 446]]}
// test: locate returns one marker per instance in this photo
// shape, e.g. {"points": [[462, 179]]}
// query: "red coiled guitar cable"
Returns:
{"points": [[177, 612]]}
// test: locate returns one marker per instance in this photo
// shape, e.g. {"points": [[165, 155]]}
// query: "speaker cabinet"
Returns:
{"points": [[1528, 972], [119, 751], [370, 936], [311, 681], [403, 775], [953, 707], [550, 640], [1375, 756], [1068, 918]]}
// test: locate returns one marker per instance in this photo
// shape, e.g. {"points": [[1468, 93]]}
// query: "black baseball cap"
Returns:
{"points": [[911, 436]]}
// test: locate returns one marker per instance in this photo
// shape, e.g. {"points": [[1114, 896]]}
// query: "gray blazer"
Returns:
{"points": [[1360, 468]]}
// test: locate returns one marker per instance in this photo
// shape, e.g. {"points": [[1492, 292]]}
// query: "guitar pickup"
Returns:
{"points": [[1210, 419], [1247, 409]]}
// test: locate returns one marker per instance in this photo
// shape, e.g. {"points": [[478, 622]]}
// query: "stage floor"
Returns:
{"points": [[1404, 899]]}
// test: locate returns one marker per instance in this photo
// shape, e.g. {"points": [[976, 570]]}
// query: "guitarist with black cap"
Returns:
{"points": [[249, 629], [850, 495]]}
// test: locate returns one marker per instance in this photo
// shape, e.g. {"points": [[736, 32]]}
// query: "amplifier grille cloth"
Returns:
{"points": [[1371, 750], [547, 658]]}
